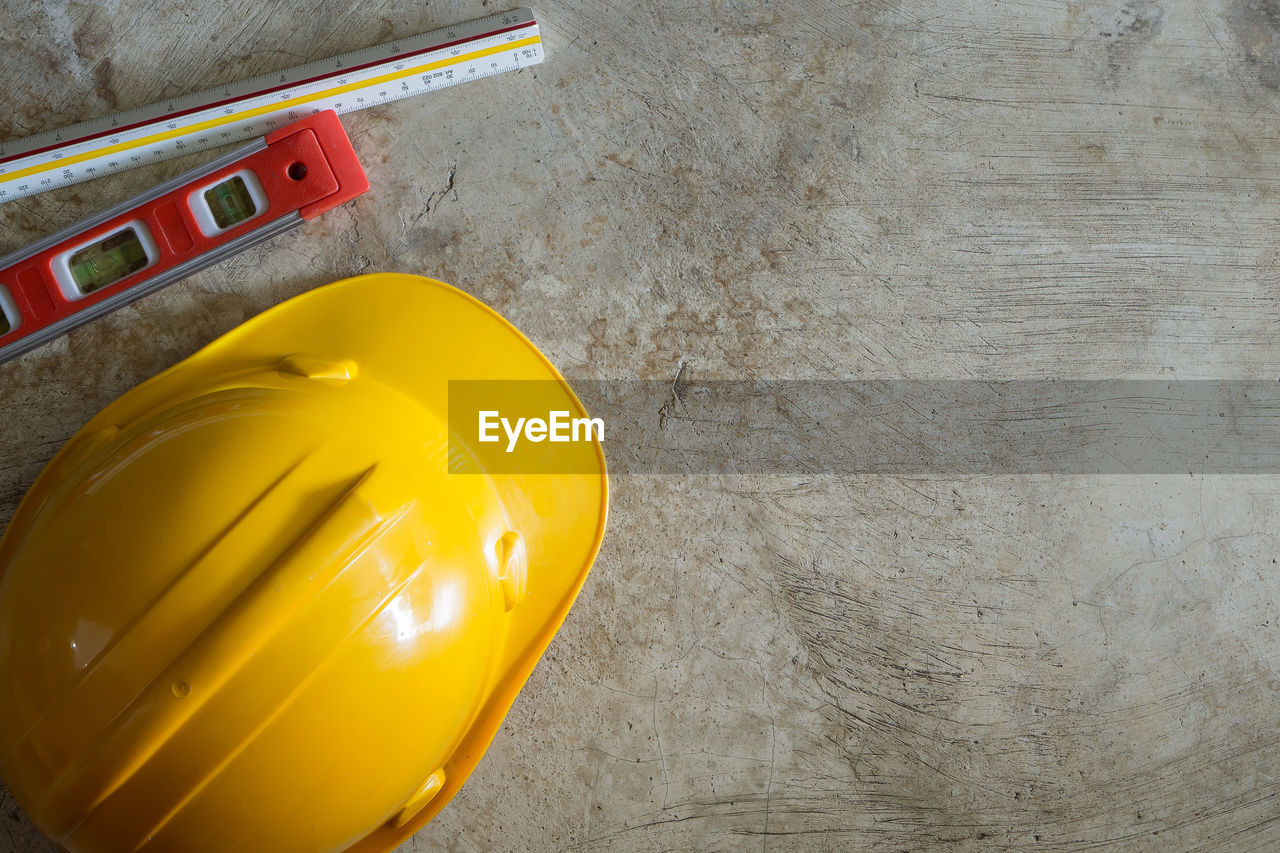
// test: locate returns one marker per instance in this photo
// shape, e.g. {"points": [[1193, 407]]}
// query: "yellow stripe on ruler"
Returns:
{"points": [[270, 108]]}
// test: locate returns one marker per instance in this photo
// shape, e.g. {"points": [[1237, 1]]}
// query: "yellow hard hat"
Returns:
{"points": [[248, 608]]}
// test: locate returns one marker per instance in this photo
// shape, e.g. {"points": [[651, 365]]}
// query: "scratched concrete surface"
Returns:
{"points": [[875, 189]]}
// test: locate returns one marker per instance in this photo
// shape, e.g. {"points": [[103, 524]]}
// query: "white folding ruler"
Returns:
{"points": [[253, 108]]}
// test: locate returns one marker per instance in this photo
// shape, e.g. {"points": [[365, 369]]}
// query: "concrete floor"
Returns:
{"points": [[883, 189]]}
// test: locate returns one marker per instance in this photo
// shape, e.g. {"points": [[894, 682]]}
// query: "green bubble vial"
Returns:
{"points": [[230, 202], [107, 261]]}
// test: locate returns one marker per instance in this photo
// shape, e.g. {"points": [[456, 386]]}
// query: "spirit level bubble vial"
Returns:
{"points": [[107, 261]]}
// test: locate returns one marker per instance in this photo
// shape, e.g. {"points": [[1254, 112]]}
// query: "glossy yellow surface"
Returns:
{"points": [[246, 608]]}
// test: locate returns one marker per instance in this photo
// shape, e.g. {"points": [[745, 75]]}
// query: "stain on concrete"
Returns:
{"points": [[1256, 24], [103, 72], [1127, 33]]}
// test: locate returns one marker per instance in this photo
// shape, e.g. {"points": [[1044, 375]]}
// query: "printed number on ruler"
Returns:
{"points": [[252, 108]]}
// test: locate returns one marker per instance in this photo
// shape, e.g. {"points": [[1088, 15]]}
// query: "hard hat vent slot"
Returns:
{"points": [[419, 800], [332, 369], [513, 568]]}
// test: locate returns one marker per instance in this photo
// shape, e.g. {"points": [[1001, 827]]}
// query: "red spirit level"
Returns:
{"points": [[107, 261]]}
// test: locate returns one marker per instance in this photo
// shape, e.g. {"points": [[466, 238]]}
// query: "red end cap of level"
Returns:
{"points": [[338, 153]]}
